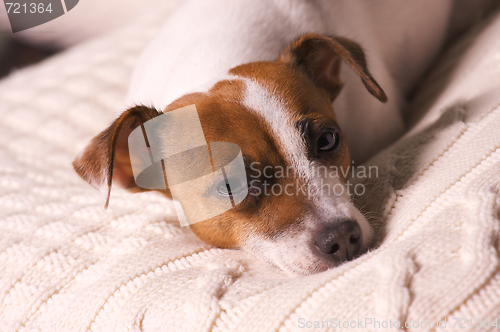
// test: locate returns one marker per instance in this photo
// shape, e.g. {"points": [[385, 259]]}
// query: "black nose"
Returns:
{"points": [[341, 241]]}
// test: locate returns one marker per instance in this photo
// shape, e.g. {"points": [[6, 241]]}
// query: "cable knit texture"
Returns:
{"points": [[66, 264]]}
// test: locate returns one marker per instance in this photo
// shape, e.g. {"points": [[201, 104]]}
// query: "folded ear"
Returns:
{"points": [[320, 56], [107, 158]]}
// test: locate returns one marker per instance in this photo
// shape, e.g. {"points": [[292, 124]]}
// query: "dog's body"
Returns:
{"points": [[221, 56]]}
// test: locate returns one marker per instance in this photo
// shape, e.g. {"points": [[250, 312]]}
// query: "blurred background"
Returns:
{"points": [[91, 18], [15, 54], [87, 20]]}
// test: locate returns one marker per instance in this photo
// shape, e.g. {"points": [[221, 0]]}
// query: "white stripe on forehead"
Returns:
{"points": [[273, 110], [328, 207]]}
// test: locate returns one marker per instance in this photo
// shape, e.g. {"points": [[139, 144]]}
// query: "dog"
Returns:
{"points": [[295, 85]]}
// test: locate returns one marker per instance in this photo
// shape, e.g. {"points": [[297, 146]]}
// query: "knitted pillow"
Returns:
{"points": [[68, 265]]}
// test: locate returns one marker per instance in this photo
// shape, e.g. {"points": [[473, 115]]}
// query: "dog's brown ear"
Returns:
{"points": [[107, 158], [320, 56]]}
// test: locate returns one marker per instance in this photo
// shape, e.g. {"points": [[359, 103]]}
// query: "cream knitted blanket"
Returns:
{"points": [[68, 265]]}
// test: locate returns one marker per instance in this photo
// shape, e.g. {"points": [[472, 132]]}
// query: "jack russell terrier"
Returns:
{"points": [[263, 74]]}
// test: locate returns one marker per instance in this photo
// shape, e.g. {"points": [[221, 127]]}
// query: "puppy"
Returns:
{"points": [[287, 82]]}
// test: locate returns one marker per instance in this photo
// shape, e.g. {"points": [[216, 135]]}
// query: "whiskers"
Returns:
{"points": [[376, 222]]}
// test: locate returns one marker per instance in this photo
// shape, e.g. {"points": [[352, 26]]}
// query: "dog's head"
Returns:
{"points": [[298, 212]]}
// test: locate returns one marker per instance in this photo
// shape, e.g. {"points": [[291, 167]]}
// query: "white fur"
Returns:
{"points": [[274, 112]]}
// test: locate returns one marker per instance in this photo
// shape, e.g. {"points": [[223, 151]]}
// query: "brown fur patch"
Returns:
{"points": [[225, 118]]}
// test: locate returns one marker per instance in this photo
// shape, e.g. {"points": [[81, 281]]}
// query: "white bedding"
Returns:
{"points": [[68, 265]]}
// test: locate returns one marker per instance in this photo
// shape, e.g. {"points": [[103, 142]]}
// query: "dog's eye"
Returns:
{"points": [[327, 141], [224, 190]]}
